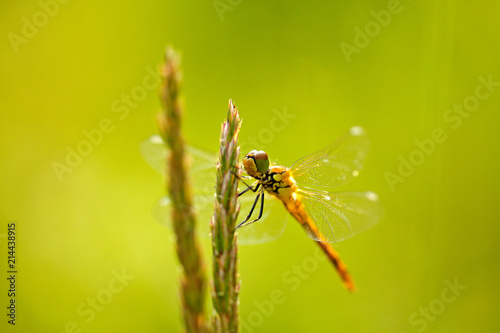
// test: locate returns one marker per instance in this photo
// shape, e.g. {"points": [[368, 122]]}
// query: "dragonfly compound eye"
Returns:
{"points": [[256, 163], [262, 161]]}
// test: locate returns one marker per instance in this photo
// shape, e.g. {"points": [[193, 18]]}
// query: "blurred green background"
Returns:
{"points": [[76, 231]]}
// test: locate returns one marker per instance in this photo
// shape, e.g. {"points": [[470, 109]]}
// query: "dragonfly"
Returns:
{"points": [[307, 192]]}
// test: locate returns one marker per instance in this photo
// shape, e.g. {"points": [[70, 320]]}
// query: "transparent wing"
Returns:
{"points": [[202, 176], [270, 227], [340, 215], [336, 164], [154, 151], [201, 163]]}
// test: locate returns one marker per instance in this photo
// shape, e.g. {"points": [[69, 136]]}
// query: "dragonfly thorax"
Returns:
{"points": [[256, 163]]}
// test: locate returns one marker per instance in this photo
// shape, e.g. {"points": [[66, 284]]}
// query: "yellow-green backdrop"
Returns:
{"points": [[421, 76]]}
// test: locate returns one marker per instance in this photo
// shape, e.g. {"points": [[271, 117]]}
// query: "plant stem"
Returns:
{"points": [[193, 282], [226, 285]]}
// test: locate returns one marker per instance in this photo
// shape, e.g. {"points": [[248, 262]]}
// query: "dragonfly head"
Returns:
{"points": [[256, 163]]}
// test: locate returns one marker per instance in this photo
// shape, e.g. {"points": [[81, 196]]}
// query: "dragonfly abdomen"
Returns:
{"points": [[295, 206]]}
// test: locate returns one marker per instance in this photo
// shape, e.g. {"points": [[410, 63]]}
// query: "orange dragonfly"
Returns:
{"points": [[304, 190]]}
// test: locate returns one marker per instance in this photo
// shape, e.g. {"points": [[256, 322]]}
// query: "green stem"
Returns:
{"points": [[193, 282], [226, 284]]}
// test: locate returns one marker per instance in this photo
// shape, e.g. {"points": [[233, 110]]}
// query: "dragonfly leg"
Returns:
{"points": [[250, 188], [250, 213], [240, 178], [245, 223]]}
